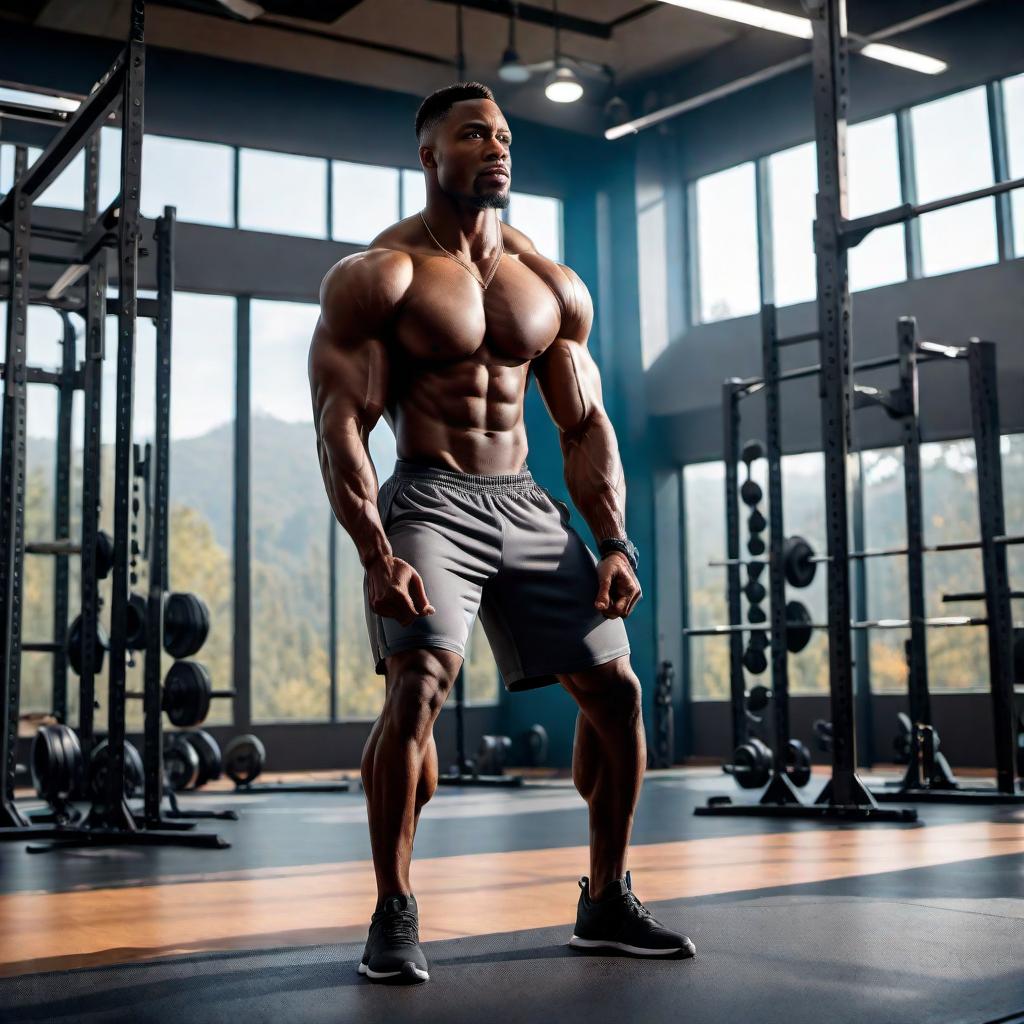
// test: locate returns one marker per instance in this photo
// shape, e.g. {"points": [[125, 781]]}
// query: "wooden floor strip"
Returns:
{"points": [[462, 895]]}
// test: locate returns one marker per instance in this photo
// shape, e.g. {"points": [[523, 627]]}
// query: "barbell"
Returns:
{"points": [[186, 694], [65, 546], [752, 763], [186, 627], [799, 557], [191, 759]]}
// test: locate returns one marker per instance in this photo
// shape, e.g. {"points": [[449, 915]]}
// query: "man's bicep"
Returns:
{"points": [[569, 383], [348, 377]]}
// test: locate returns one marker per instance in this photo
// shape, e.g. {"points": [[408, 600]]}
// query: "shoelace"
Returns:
{"points": [[637, 908], [401, 928]]}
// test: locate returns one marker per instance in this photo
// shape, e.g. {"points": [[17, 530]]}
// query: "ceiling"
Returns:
{"points": [[410, 46]]}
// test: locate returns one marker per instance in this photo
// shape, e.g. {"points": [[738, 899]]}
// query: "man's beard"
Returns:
{"points": [[494, 201]]}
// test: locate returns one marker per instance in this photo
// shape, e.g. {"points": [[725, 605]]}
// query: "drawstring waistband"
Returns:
{"points": [[478, 483]]}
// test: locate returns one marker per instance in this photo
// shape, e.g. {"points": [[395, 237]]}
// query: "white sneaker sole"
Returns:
{"points": [[407, 969], [626, 948]]}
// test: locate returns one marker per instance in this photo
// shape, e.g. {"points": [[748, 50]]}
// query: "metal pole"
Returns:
{"points": [[830, 58], [731, 455], [919, 699], [780, 788], [861, 640], [12, 491], [62, 519], [158, 520], [981, 360], [241, 654], [92, 400], [116, 812]]}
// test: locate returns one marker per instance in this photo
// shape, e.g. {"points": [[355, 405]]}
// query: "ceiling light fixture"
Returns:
{"points": [[562, 85], [512, 69], [792, 25], [903, 58]]}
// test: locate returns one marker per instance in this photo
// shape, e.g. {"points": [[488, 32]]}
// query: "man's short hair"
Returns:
{"points": [[436, 107]]}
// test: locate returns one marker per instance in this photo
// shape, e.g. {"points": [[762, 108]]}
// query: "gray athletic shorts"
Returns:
{"points": [[502, 546]]}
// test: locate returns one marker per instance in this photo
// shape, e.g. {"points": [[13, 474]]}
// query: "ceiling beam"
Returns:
{"points": [[545, 16]]}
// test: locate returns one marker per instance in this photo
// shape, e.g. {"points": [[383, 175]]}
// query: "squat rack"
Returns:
{"points": [[121, 89], [845, 795]]}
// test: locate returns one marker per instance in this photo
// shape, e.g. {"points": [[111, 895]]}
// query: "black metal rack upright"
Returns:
{"points": [[121, 89]]}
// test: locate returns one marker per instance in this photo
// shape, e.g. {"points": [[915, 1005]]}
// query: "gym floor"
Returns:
{"points": [[793, 921]]}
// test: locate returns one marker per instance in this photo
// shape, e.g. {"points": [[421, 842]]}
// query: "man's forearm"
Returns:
{"points": [[351, 484], [593, 474]]}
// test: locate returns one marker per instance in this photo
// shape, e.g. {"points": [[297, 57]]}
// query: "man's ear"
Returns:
{"points": [[427, 157]]}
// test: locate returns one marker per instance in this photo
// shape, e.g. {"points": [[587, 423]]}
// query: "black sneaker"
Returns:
{"points": [[620, 921], [393, 951]]}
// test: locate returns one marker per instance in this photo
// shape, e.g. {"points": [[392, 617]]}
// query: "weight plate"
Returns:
{"points": [[56, 762], [186, 624], [798, 763], [796, 560], [244, 758], [208, 751], [750, 493], [798, 626], [74, 646], [752, 451], [135, 629], [104, 554], [181, 762], [134, 772], [755, 661], [186, 697]]}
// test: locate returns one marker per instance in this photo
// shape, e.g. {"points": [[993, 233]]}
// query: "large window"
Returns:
{"points": [[202, 476], [64, 192], [414, 192], [290, 518], [282, 193], [540, 218], [365, 200], [197, 178], [793, 178], [960, 236], [704, 488], [1013, 100], [873, 169], [726, 233], [957, 658]]}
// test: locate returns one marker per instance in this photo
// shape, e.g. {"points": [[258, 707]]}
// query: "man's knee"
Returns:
{"points": [[612, 689], [418, 685]]}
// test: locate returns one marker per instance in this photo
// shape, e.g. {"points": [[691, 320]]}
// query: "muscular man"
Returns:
{"points": [[438, 327]]}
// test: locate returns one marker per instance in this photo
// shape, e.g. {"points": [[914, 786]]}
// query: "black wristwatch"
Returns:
{"points": [[626, 546]]}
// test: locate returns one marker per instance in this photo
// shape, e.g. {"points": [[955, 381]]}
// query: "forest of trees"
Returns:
{"points": [[957, 658]]}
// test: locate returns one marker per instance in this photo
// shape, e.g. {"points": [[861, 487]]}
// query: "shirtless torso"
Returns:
{"points": [[458, 357]]}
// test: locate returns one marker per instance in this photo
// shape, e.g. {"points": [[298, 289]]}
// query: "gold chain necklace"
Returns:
{"points": [[483, 282]]}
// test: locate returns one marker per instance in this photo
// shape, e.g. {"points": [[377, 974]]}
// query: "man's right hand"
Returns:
{"points": [[396, 590]]}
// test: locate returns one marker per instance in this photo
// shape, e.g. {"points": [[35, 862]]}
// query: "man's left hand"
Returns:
{"points": [[618, 589]]}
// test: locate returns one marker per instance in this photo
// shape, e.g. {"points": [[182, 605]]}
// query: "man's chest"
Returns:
{"points": [[447, 315]]}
